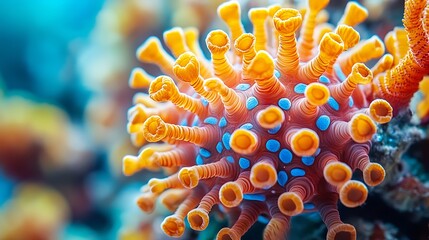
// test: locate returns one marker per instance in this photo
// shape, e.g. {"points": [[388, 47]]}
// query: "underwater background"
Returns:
{"points": [[64, 97]]}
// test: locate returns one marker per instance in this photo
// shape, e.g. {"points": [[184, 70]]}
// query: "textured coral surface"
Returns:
{"points": [[273, 125]]}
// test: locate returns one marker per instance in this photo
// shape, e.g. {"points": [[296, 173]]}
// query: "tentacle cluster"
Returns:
{"points": [[275, 125]]}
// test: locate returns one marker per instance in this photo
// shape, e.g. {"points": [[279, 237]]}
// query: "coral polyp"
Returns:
{"points": [[272, 125]]}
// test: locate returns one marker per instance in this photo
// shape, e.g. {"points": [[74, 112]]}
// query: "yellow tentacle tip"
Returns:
{"points": [[154, 129], [263, 175], [173, 226], [214, 84], [290, 204], [262, 66], [270, 117], [139, 79], [198, 219], [230, 194], [349, 35], [317, 5], [305, 142], [361, 74], [354, 14], [317, 94], [353, 194], [245, 42], [380, 111], [258, 14], [175, 40], [189, 177], [187, 67], [287, 20], [362, 128], [341, 231], [331, 44], [130, 165], [163, 88], [229, 11], [337, 173], [243, 141], [136, 116], [217, 42], [373, 174], [150, 50]]}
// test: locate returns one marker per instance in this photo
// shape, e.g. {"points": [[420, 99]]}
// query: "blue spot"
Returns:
{"points": [[242, 86], [219, 147], [254, 197], [275, 130], [272, 145], [317, 152], [323, 122], [184, 122], [285, 156], [339, 72], [247, 126], [277, 73], [205, 153], [230, 159], [282, 178], [196, 122], [333, 104], [300, 88], [199, 160], [222, 122], [225, 140], [324, 79], [308, 161], [244, 163], [297, 172], [351, 102], [210, 120], [251, 103], [284, 103], [204, 102], [263, 219], [309, 206]]}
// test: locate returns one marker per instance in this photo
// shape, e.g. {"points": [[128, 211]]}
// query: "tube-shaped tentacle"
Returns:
{"points": [[231, 193], [158, 186], [361, 53], [258, 16], [190, 176], [316, 94], [198, 218], [230, 13], [327, 206], [163, 88], [286, 22], [175, 41], [245, 45], [218, 44], [261, 69], [270, 117], [330, 47], [279, 224], [291, 203], [353, 14], [233, 103], [335, 172], [385, 63], [174, 225], [155, 129], [248, 216], [152, 52], [187, 69], [360, 128], [306, 40], [172, 198], [360, 75]]}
